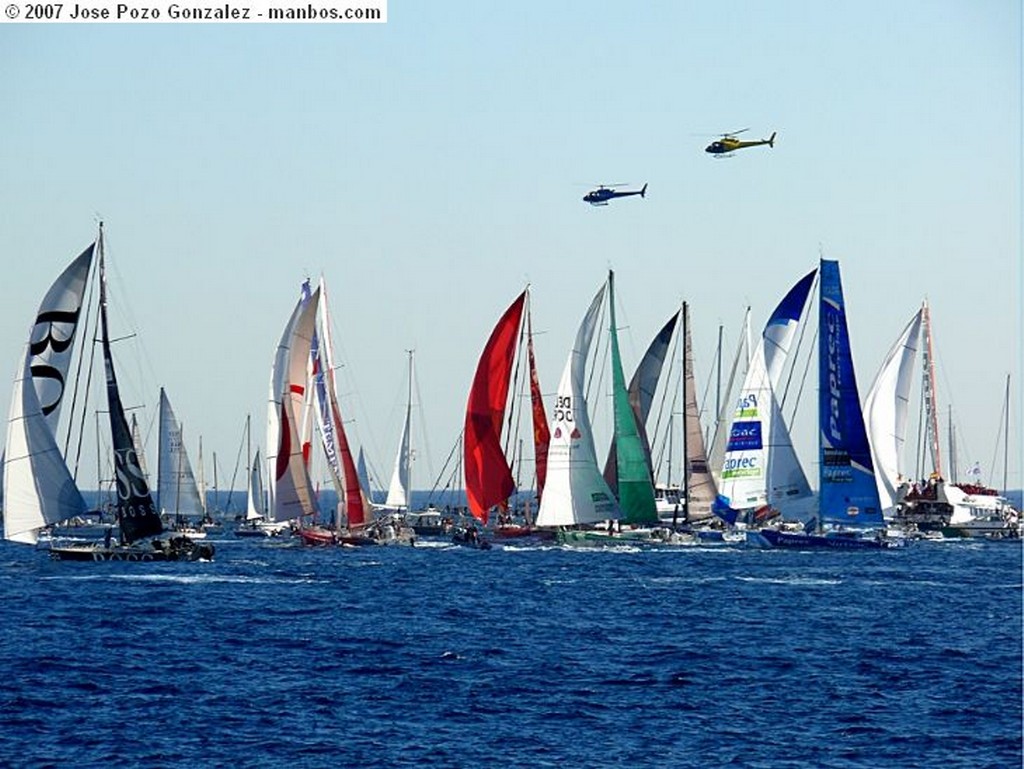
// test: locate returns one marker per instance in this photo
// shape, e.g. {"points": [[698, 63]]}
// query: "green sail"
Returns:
{"points": [[636, 490]]}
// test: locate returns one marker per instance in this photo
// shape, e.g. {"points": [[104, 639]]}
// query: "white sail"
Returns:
{"points": [[291, 491], [177, 490], [886, 410], [398, 490], [760, 465], [716, 456], [38, 489], [255, 505], [324, 398], [137, 440], [52, 336], [575, 491]]}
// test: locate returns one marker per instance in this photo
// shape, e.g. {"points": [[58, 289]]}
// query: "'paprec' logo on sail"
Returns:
{"points": [[834, 377]]}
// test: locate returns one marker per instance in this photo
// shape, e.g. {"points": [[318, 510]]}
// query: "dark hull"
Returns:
{"points": [[175, 549], [818, 541], [465, 540]]}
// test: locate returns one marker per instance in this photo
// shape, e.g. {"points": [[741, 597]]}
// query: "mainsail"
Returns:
{"points": [[700, 484], [256, 507], [848, 493], [886, 410], [177, 490], [632, 455], [38, 489], [575, 492], [136, 513], [488, 474], [641, 395], [398, 490]]}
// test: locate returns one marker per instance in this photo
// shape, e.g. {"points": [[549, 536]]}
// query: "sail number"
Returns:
{"points": [[563, 408]]}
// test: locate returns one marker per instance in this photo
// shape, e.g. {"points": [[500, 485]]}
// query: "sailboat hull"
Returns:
{"points": [[833, 541], [174, 549]]}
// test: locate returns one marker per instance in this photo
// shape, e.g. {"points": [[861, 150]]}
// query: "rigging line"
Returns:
{"points": [[726, 405], [602, 357], [452, 453], [707, 386], [80, 350], [423, 427], [663, 440], [1003, 418], [804, 317], [803, 381], [84, 413], [234, 473]]}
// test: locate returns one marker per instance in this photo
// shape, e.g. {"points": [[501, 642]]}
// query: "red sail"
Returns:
{"points": [[541, 433], [356, 504], [488, 476]]}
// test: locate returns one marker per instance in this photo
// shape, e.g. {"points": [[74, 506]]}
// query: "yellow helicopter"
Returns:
{"points": [[729, 143]]}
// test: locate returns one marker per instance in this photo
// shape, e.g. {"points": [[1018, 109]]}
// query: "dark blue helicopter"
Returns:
{"points": [[603, 194]]}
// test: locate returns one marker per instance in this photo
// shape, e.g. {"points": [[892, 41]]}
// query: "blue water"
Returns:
{"points": [[436, 656]]}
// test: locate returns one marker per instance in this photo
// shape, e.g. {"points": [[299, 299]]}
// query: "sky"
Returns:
{"points": [[430, 167]]}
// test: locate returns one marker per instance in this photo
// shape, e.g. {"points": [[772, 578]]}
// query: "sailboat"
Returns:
{"points": [[486, 466], [849, 510], [761, 475], [575, 493], [178, 495], [354, 520], [399, 490], [39, 488], [255, 522], [937, 506]]}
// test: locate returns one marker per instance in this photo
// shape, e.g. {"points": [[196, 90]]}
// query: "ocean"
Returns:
{"points": [[275, 655]]}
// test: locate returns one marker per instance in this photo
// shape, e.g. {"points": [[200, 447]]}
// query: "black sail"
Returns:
{"points": [[135, 510]]}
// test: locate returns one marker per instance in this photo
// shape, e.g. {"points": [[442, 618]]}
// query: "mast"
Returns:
{"points": [[1006, 436], [952, 447], [408, 426], [202, 478], [135, 511], [684, 480], [215, 488], [928, 388], [718, 377]]}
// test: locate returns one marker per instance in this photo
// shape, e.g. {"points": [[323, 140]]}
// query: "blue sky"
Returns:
{"points": [[431, 166]]}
